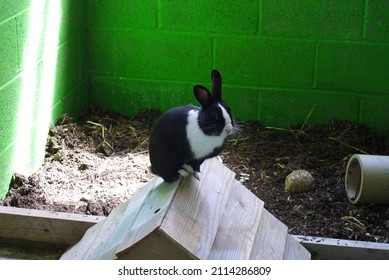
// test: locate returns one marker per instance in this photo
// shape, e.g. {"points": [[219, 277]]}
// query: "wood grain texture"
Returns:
{"points": [[126, 223], [195, 214], [270, 238], [87, 246], [156, 246], [44, 226], [294, 251], [215, 217], [150, 215], [341, 249], [236, 233]]}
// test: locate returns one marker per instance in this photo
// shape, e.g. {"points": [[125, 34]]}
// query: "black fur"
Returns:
{"points": [[169, 147]]}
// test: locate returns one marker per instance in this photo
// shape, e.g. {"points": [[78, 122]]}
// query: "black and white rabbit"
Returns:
{"points": [[183, 137]]}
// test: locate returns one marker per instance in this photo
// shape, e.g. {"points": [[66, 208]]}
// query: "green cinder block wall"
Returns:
{"points": [[279, 59], [43, 76]]}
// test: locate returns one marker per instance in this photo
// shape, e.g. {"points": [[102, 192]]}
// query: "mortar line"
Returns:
{"points": [[213, 53], [14, 16], [159, 14], [20, 52], [315, 59], [365, 15], [246, 35], [259, 19], [10, 80], [360, 109], [259, 106], [252, 87], [115, 46]]}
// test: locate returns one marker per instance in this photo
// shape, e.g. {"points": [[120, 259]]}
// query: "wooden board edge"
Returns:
{"points": [[270, 238], [156, 245], [343, 249], [294, 250], [44, 223], [34, 213]]}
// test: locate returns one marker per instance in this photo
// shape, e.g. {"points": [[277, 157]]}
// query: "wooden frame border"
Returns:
{"points": [[67, 229]]}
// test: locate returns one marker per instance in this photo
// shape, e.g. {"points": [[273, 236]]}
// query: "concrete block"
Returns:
{"points": [[6, 169], [374, 112], [30, 44], [353, 66], [176, 94], [101, 51], [72, 104], [69, 67], [265, 62], [9, 8], [326, 19], [73, 18], [220, 16], [124, 95], [135, 14], [9, 107], [164, 56], [377, 24], [242, 101], [8, 51], [128, 96], [283, 108]]}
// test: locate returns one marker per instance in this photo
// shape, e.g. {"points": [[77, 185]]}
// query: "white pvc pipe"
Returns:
{"points": [[367, 179]]}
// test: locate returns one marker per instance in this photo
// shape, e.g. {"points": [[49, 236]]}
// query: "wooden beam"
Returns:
{"points": [[44, 226], [341, 249]]}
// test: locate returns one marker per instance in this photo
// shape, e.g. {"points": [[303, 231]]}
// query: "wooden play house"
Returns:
{"points": [[214, 218], [283, 65]]}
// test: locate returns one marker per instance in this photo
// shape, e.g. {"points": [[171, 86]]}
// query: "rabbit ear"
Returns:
{"points": [[216, 84], [203, 95]]}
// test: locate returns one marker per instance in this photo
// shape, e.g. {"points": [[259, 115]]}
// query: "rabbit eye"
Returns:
{"points": [[215, 115]]}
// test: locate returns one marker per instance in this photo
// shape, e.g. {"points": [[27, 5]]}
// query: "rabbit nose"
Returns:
{"points": [[228, 128]]}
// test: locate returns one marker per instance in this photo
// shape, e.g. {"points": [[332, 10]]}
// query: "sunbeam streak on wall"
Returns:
{"points": [[39, 64]]}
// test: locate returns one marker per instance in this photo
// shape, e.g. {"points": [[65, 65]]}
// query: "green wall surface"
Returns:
{"points": [[279, 59], [43, 76]]}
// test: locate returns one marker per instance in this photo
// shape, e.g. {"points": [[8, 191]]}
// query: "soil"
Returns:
{"points": [[99, 161]]}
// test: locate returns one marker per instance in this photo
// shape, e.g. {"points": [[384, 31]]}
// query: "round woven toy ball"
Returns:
{"points": [[298, 181]]}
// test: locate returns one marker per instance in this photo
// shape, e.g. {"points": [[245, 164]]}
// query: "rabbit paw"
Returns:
{"points": [[188, 170], [185, 170]]}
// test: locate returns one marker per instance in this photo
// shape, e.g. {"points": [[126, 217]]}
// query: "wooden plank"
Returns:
{"points": [[103, 240], [270, 238], [87, 245], [341, 249], [29, 250], [236, 233], [294, 250], [123, 226], [149, 217], [44, 226], [196, 211], [157, 246]]}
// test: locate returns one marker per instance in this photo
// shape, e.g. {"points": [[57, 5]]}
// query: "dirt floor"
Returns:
{"points": [[100, 161]]}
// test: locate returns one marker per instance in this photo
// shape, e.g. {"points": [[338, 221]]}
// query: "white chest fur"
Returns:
{"points": [[200, 143]]}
